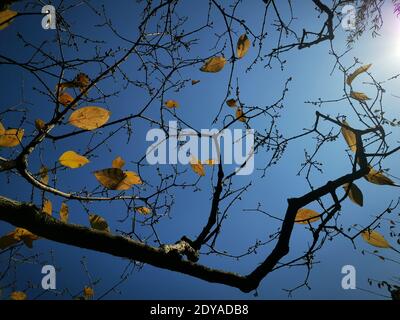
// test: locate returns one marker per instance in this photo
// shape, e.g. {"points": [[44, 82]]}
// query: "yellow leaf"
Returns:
{"points": [[47, 207], [194, 82], [132, 178], [350, 137], [89, 118], [26, 236], [44, 176], [305, 216], [18, 295], [110, 178], [40, 124], [11, 138], [375, 239], [88, 292], [118, 162], [197, 167], [243, 46], [356, 73], [98, 223], [231, 103], [359, 96], [64, 212], [240, 116], [378, 178], [2, 129], [73, 160], [65, 99], [214, 65], [8, 240], [210, 162], [143, 210], [171, 104], [6, 15], [354, 193]]}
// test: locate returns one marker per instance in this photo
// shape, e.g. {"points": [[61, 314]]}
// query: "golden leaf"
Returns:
{"points": [[378, 178], [231, 103], [171, 104], [26, 236], [305, 216], [118, 162], [354, 193], [98, 223], [11, 137], [210, 162], [356, 73], [350, 137], [132, 178], [82, 81], [197, 167], [214, 65], [73, 160], [64, 212], [40, 125], [110, 178], [143, 210], [375, 239], [88, 292], [194, 82], [243, 46], [2, 129], [240, 116], [6, 15], [47, 207], [89, 118], [65, 99], [44, 176], [359, 96], [18, 295]]}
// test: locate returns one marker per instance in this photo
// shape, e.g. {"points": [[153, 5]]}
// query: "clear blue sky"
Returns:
{"points": [[312, 79]]}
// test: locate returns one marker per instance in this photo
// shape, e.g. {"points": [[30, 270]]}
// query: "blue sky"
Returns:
{"points": [[312, 79]]}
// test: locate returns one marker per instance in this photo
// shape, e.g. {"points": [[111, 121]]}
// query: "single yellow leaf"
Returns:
{"points": [[11, 138], [6, 15], [64, 212], [305, 216], [81, 81], [44, 175], [8, 240], [240, 116], [40, 124], [354, 193], [118, 162], [47, 207], [378, 178], [194, 82], [25, 236], [231, 103], [98, 223], [143, 210], [243, 46], [2, 129], [72, 160], [89, 118], [350, 137], [110, 178], [359, 96], [65, 99], [197, 167], [88, 292], [375, 239], [18, 295], [171, 104], [213, 65], [356, 73]]}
